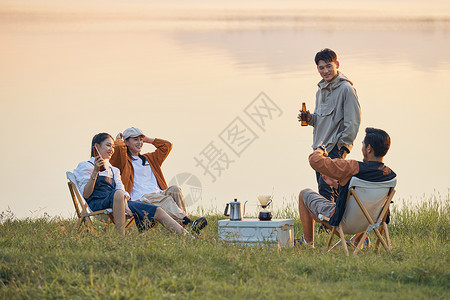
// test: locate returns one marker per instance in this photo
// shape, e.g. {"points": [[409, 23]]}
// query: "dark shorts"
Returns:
{"points": [[318, 205], [101, 201], [143, 213]]}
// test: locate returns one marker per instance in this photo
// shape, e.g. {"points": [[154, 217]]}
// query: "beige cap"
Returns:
{"points": [[132, 132]]}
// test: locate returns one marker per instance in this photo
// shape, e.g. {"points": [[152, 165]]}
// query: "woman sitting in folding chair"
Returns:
{"points": [[101, 186], [338, 172]]}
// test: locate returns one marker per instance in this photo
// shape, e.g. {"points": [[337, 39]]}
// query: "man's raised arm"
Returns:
{"points": [[119, 157], [163, 149], [339, 169]]}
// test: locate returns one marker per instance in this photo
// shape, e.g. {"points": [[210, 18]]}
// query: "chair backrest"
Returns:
{"points": [[81, 206], [373, 196], [78, 200]]}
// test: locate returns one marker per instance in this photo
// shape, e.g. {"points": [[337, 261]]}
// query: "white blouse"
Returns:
{"points": [[84, 171], [144, 180]]}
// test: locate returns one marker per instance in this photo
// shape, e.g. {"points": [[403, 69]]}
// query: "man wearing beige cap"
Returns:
{"points": [[143, 178]]}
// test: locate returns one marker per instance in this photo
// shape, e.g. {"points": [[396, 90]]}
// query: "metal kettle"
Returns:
{"points": [[235, 210]]}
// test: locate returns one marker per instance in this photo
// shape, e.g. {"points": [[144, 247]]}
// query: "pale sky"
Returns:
{"points": [[71, 70]]}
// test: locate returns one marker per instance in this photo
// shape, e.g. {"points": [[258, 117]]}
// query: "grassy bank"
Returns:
{"points": [[41, 258]]}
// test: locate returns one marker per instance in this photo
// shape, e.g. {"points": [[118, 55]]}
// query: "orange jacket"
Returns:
{"points": [[123, 162], [340, 169]]}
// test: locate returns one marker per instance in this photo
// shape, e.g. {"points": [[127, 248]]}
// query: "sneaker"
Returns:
{"points": [[348, 242], [323, 229], [304, 243], [198, 225], [366, 243]]}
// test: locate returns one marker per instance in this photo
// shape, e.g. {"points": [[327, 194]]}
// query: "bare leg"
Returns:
{"points": [[306, 219], [119, 211], [162, 217]]}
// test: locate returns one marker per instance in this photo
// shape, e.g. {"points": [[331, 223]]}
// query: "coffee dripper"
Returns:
{"points": [[265, 214]]}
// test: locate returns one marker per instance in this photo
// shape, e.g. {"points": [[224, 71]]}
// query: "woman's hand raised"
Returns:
{"points": [[99, 164]]}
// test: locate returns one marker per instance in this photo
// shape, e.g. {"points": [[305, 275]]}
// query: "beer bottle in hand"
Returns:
{"points": [[304, 116], [97, 153]]}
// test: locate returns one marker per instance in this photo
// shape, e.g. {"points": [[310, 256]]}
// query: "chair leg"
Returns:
{"points": [[344, 242], [380, 237], [77, 224], [377, 244], [336, 232], [129, 224], [386, 234], [330, 239], [383, 230], [89, 223], [361, 241], [106, 225], [351, 243]]}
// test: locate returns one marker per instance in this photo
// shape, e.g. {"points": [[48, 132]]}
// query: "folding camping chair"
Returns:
{"points": [[83, 211], [366, 201]]}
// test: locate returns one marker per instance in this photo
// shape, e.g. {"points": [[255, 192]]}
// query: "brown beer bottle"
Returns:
{"points": [[304, 122], [97, 153]]}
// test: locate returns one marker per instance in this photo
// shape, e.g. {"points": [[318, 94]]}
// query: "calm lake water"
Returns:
{"points": [[224, 83]]}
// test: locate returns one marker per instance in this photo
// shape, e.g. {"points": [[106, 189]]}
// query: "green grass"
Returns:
{"points": [[42, 258]]}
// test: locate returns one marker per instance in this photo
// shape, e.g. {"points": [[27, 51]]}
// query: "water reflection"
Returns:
{"points": [[185, 73], [287, 51]]}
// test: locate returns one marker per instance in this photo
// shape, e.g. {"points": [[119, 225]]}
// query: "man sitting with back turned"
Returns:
{"points": [[338, 172], [143, 178]]}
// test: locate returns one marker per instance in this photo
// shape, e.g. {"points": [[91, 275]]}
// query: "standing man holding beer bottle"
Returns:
{"points": [[336, 117]]}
